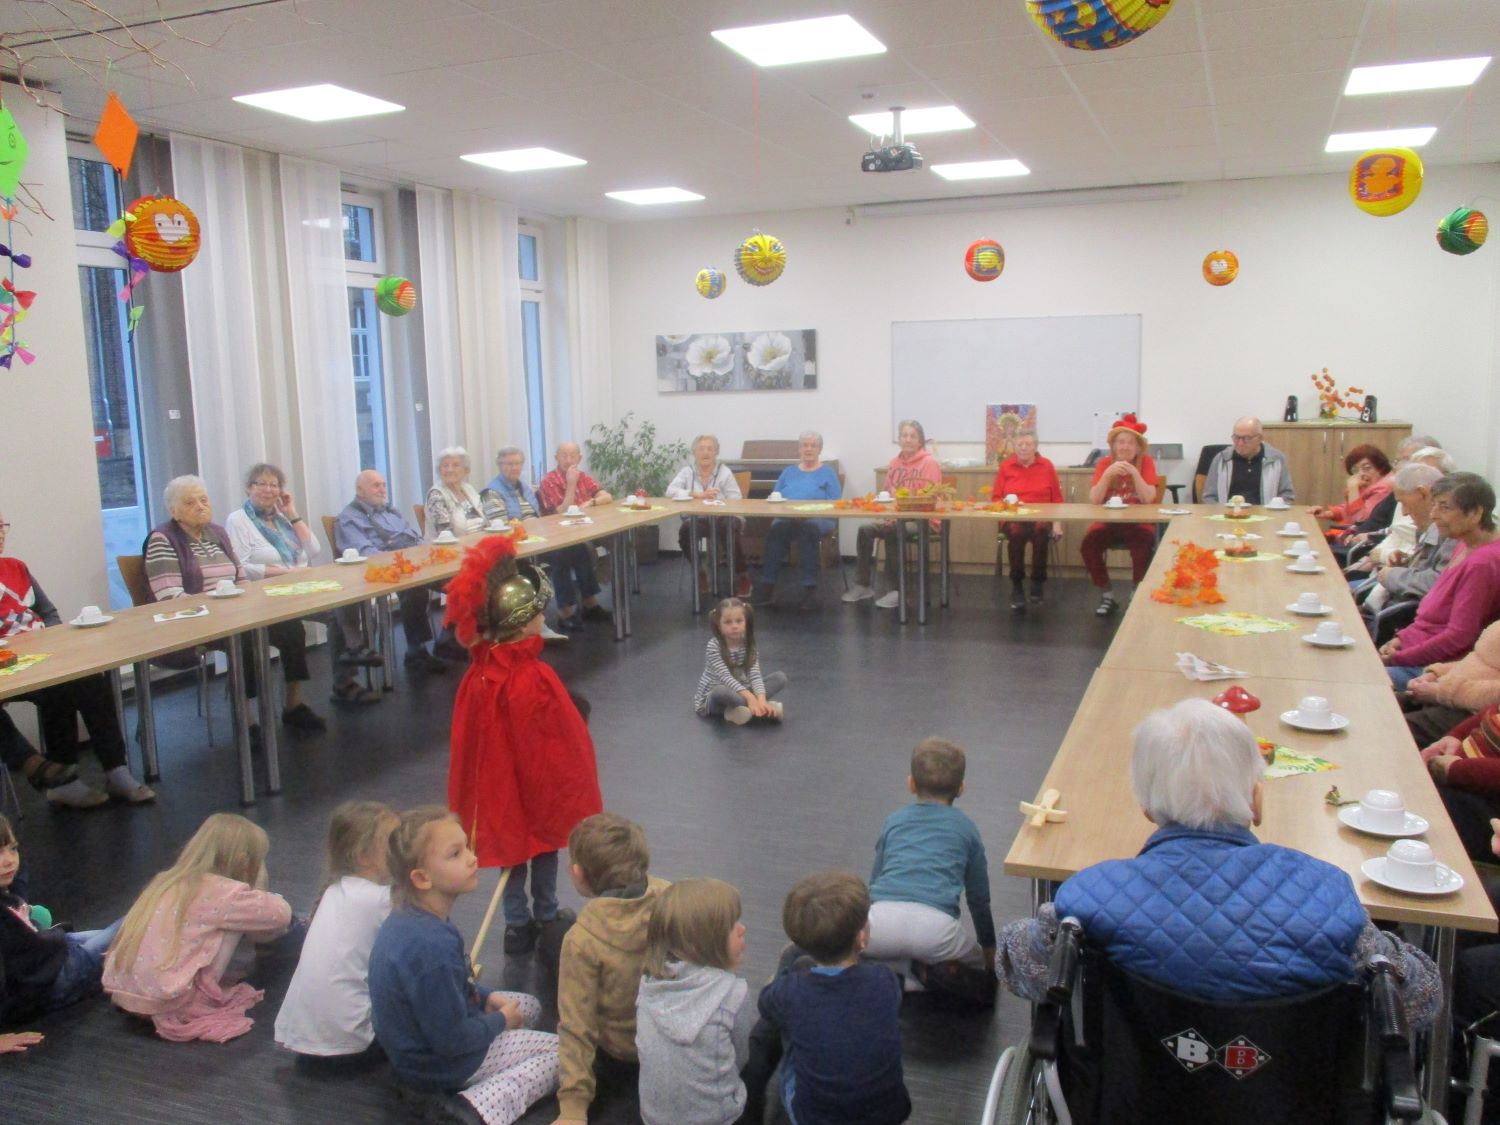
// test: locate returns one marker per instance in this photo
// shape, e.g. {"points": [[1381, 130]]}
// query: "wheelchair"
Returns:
{"points": [[1110, 1048]]}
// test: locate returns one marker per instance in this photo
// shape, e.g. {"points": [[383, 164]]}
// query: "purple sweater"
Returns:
{"points": [[1451, 617]]}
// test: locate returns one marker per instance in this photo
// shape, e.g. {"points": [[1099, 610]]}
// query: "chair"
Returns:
{"points": [[1200, 474], [133, 573], [1108, 1046], [420, 511]]}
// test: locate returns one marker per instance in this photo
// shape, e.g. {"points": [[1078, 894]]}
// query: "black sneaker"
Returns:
{"points": [[1107, 605], [520, 940], [569, 624], [597, 613], [1036, 593], [303, 718], [1017, 600], [422, 661]]}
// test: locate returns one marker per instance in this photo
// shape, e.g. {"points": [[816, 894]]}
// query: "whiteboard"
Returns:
{"points": [[944, 373]]}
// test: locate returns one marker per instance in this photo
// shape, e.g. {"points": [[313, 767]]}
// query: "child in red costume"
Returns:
{"points": [[521, 773]]}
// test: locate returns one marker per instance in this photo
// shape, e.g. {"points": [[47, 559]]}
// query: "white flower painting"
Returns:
{"points": [[737, 361]]}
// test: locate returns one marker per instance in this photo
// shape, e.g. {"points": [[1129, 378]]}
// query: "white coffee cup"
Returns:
{"points": [[884, 497], [1329, 633], [1382, 810], [777, 496], [1306, 563], [1301, 547], [1315, 711], [1012, 498], [1310, 603], [446, 536], [224, 586], [1291, 527], [1114, 502], [1410, 863], [90, 613], [1278, 503], [350, 554], [574, 510], [496, 524]]}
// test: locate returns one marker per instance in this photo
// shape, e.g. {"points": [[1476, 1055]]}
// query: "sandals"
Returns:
{"points": [[351, 692], [49, 774]]}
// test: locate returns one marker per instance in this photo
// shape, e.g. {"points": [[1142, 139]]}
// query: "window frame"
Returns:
{"points": [[360, 274], [534, 291]]}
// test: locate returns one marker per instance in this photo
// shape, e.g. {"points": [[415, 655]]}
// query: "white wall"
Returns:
{"points": [[1321, 284], [49, 483]]}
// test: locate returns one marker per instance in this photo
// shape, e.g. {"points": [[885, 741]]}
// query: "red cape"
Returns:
{"points": [[521, 774]]}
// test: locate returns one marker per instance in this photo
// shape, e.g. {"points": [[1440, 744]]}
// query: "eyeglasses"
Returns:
{"points": [[266, 484], [4, 525], [1245, 437]]}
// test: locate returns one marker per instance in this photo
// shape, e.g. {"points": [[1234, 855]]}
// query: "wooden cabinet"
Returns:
{"points": [[1315, 452]]}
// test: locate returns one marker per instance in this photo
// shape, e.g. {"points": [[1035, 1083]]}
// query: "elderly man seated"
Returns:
{"points": [[1400, 536], [1205, 908], [370, 525], [1408, 576], [1248, 468]]}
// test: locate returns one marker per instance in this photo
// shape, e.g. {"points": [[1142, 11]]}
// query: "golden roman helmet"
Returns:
{"points": [[519, 599]]}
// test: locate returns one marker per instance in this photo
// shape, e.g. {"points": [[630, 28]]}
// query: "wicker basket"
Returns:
{"points": [[916, 503]]}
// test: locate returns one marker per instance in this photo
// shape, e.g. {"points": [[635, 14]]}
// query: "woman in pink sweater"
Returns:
{"points": [[1467, 596], [914, 469], [172, 958]]}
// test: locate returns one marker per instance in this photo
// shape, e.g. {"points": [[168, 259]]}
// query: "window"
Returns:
{"points": [[529, 259], [363, 268], [112, 372]]}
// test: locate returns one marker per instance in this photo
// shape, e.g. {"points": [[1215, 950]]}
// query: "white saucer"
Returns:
{"points": [[1291, 554], [1343, 642], [234, 594], [445, 542], [1305, 570], [1339, 723], [503, 529], [349, 562], [94, 624], [1414, 826], [682, 499], [1321, 611], [1291, 534], [1278, 507], [1448, 880], [782, 500]]}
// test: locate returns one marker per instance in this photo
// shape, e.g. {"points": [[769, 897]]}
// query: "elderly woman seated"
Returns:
{"points": [[1370, 505], [453, 503], [705, 477], [189, 555], [1205, 908]]}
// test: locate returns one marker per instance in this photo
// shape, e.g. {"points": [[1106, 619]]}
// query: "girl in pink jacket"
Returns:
{"points": [[172, 958]]}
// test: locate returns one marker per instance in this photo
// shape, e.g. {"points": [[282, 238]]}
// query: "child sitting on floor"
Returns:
{"points": [[521, 772], [174, 958], [42, 968], [838, 1018], [326, 1013], [928, 855], [692, 1022], [731, 684], [602, 956], [443, 1033]]}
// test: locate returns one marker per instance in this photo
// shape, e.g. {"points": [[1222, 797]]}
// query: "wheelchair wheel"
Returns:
{"points": [[1024, 1098]]}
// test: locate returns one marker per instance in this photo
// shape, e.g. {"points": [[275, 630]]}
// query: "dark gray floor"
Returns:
{"points": [[756, 806]]}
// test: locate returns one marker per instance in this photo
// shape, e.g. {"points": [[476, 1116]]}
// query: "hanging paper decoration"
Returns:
{"points": [[710, 282], [1220, 267], [164, 233], [395, 296], [1463, 231], [13, 153], [1096, 25], [984, 260], [760, 259], [14, 302], [116, 135], [1385, 181]]}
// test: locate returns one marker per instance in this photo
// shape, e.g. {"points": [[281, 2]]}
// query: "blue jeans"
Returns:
{"points": [[543, 870], [807, 534], [573, 574], [84, 966], [1402, 676]]}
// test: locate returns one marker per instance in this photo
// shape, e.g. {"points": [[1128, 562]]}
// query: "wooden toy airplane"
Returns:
{"points": [[1044, 810]]}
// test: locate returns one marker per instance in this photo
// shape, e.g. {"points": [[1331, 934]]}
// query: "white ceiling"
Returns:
{"points": [[1220, 89]]}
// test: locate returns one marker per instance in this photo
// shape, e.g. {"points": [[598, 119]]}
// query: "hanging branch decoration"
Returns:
{"points": [[14, 303]]}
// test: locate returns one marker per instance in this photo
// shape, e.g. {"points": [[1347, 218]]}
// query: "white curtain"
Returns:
{"points": [[588, 325], [220, 306], [322, 360], [445, 396]]}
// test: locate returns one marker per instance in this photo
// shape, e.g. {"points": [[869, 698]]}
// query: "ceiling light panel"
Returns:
{"points": [[1414, 137], [323, 102], [935, 119], [801, 41], [645, 197], [981, 170], [523, 159], [1439, 74]]}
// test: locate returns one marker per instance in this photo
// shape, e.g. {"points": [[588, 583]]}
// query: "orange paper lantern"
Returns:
{"points": [[164, 233], [1220, 267]]}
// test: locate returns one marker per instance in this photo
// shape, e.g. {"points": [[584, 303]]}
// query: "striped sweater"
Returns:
{"points": [[736, 676], [164, 569]]}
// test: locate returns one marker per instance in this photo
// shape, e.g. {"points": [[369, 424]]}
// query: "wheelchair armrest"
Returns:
{"points": [[1397, 1071], [1395, 616], [1062, 969], [1362, 591]]}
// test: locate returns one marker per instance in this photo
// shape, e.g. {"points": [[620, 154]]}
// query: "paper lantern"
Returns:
{"points": [[984, 260], [1220, 267], [710, 282], [1463, 231], [1096, 25], [164, 233], [395, 296], [13, 153], [760, 259], [1385, 180]]}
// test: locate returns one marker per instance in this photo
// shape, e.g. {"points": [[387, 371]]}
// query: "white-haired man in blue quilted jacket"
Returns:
{"points": [[1205, 908]]}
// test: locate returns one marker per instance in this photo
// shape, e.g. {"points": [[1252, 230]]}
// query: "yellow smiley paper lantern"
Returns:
{"points": [[710, 282], [1096, 25], [1385, 181], [760, 259], [1220, 267], [984, 260], [164, 234]]}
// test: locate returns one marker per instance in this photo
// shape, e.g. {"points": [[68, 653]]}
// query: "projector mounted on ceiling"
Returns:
{"points": [[891, 154]]}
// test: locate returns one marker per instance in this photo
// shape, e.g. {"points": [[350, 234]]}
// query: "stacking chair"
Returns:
{"points": [[133, 574]]}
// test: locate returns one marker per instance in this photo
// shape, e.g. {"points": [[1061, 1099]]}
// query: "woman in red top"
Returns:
{"points": [[1130, 474], [1031, 479]]}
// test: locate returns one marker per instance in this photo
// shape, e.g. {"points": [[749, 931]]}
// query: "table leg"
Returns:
{"points": [[730, 527], [695, 558], [713, 557], [239, 713], [374, 639], [146, 721], [267, 710], [943, 562], [617, 547], [387, 622], [924, 533], [631, 567], [900, 546], [1439, 944]]}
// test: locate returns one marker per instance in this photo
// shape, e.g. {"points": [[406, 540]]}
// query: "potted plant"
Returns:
{"points": [[625, 461]]}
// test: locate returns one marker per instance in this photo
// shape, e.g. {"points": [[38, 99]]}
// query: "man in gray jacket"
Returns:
{"points": [[1248, 468]]}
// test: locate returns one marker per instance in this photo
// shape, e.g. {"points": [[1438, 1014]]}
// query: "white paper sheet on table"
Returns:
{"points": [[1242, 535], [182, 614], [1196, 668]]}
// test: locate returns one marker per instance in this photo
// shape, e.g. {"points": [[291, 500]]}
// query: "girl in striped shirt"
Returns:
{"points": [[732, 685]]}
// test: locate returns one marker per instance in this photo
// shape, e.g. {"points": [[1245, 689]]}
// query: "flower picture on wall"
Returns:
{"points": [[737, 361], [1002, 422]]}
